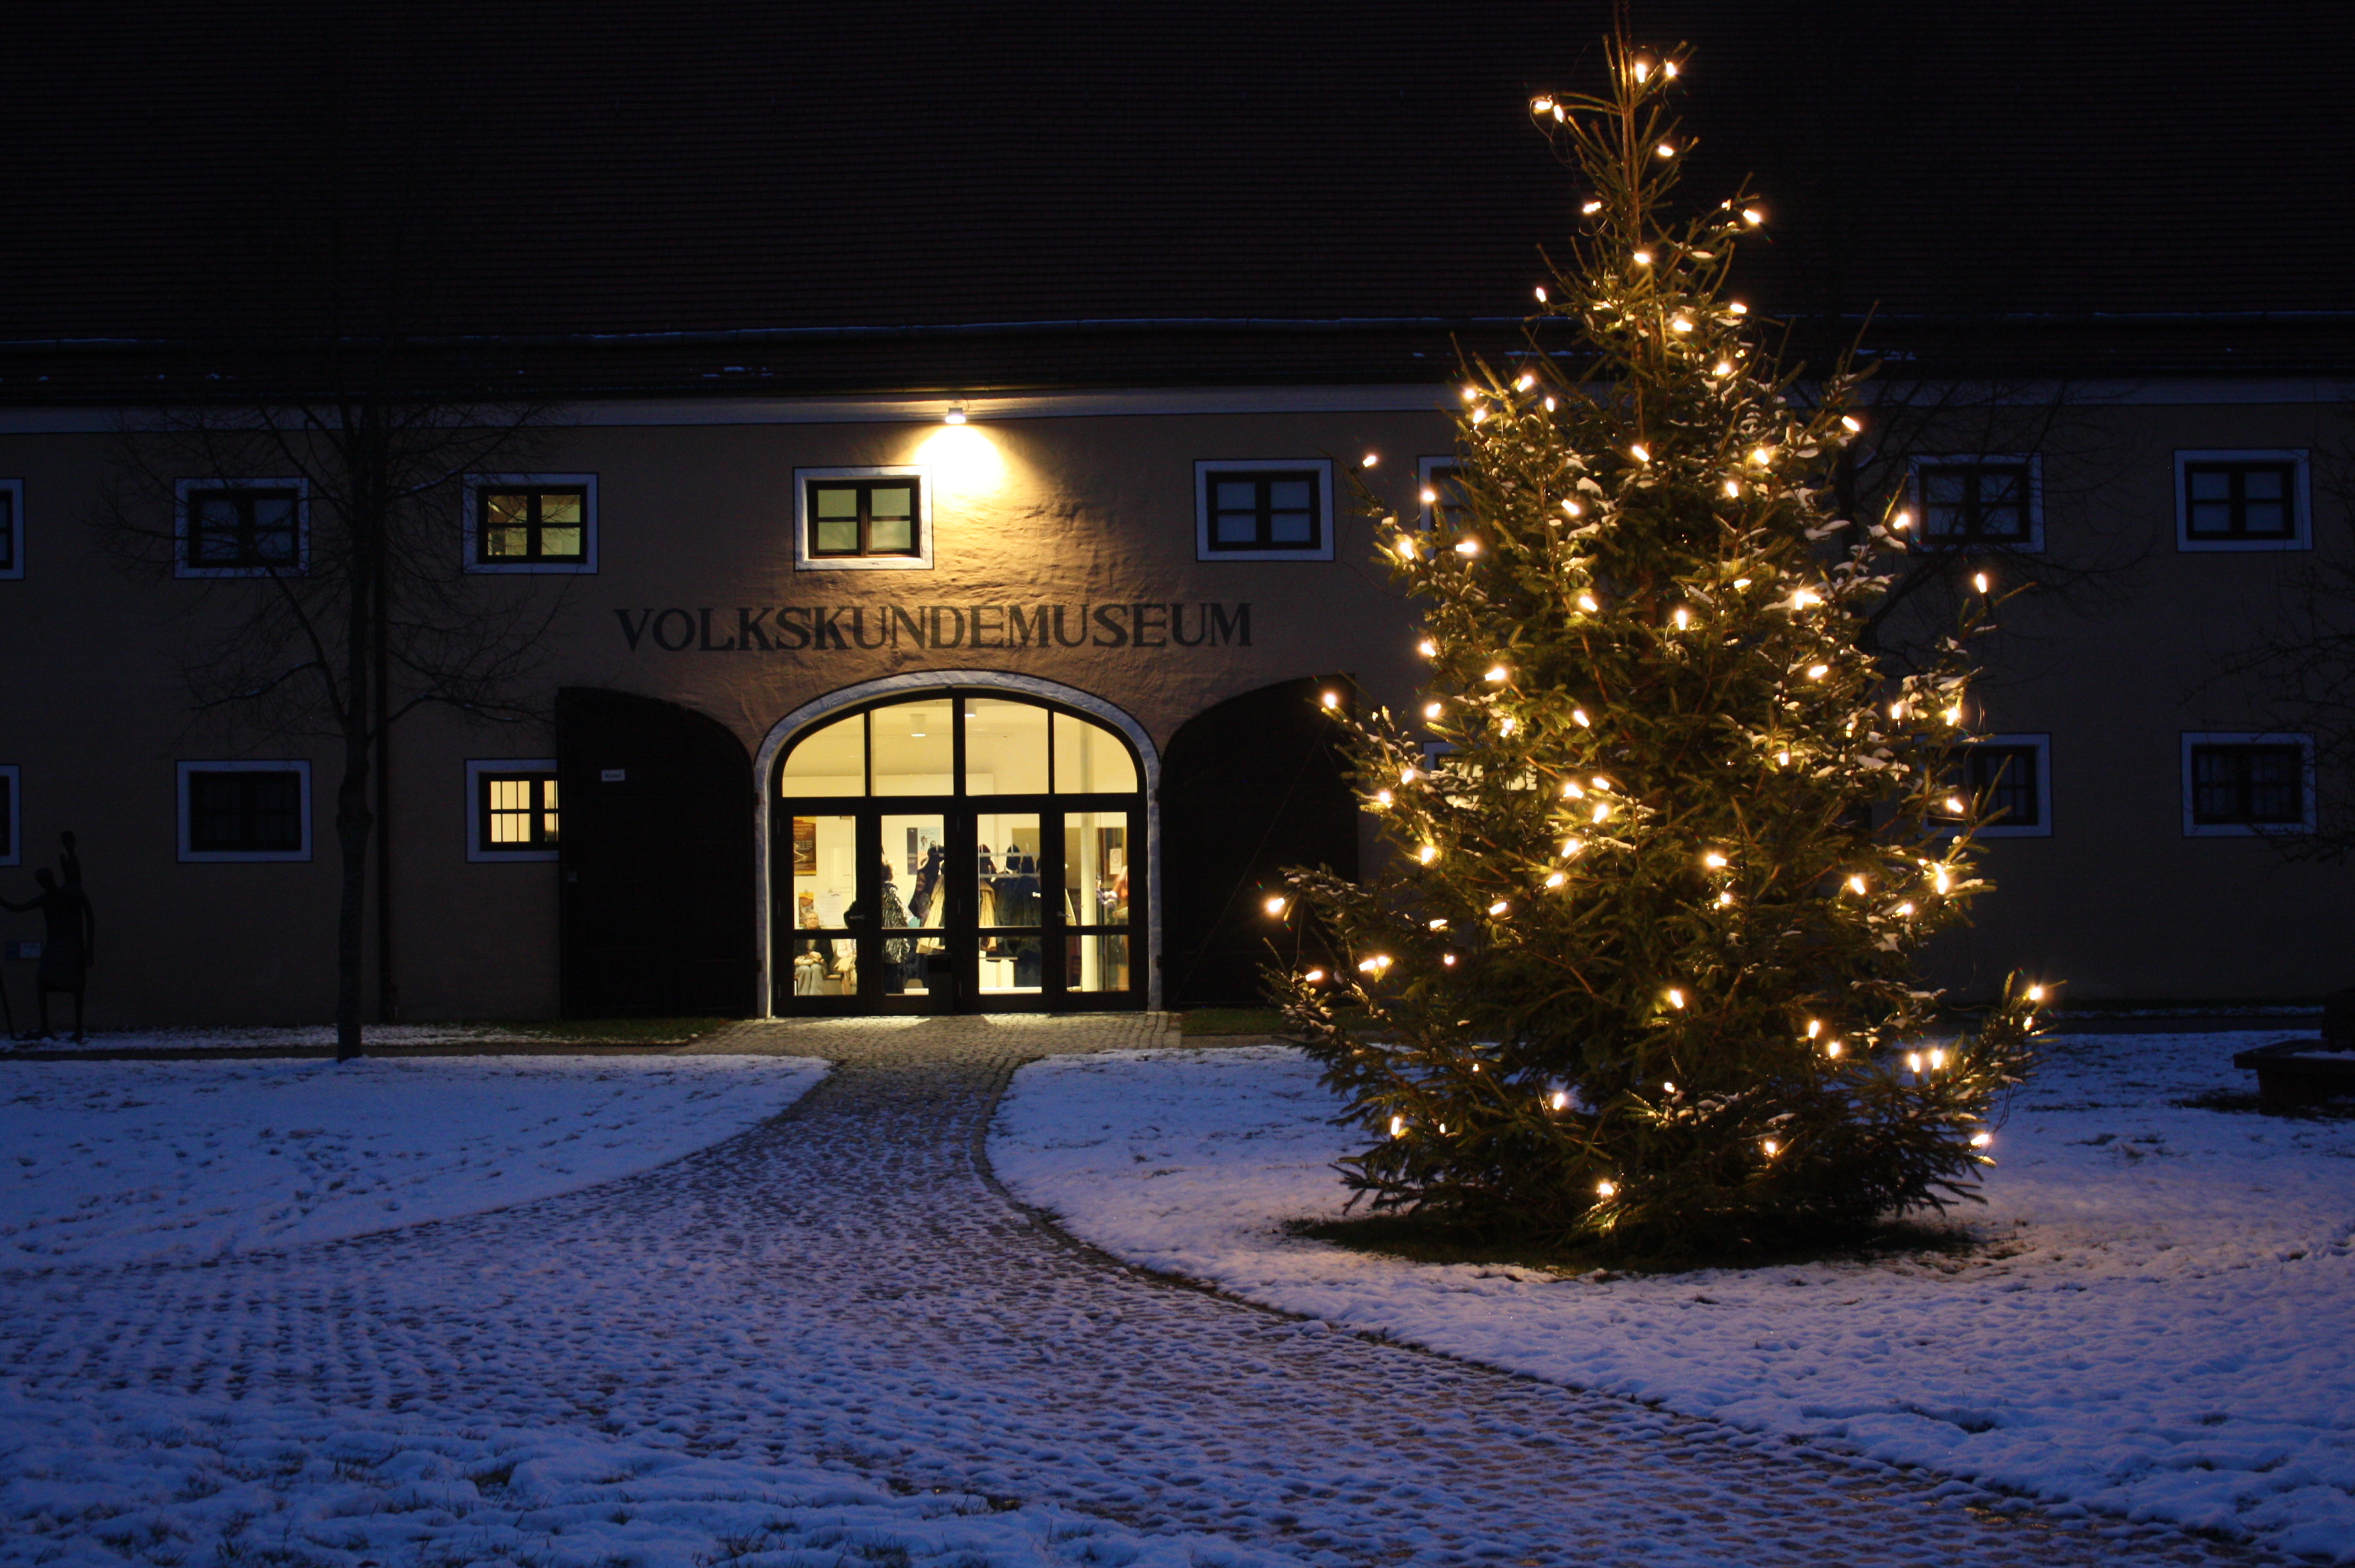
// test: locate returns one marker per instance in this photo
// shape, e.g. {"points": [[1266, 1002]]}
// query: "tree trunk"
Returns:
{"points": [[365, 519], [353, 822], [388, 991]]}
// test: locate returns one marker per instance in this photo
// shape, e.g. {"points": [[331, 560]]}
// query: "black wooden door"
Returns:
{"points": [[656, 904], [1248, 787]]}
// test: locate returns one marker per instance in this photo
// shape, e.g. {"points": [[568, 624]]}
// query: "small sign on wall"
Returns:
{"points": [[614, 775], [24, 950]]}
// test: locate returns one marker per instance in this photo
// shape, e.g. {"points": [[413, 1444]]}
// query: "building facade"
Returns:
{"points": [[829, 704]]}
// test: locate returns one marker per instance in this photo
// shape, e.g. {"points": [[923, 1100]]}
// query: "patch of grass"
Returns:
{"points": [[1432, 1239], [2247, 1103], [494, 1478], [1231, 1020]]}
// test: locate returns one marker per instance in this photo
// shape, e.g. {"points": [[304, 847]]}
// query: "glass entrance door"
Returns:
{"points": [[818, 943], [1009, 912], [1095, 881], [911, 934], [1017, 887]]}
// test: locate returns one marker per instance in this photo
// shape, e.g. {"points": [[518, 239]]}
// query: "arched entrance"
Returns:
{"points": [[1249, 787], [656, 896], [974, 845]]}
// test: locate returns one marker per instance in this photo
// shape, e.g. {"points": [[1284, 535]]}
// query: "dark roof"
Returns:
{"points": [[911, 194]]}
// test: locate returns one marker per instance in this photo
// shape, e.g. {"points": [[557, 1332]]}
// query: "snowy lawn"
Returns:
{"points": [[112, 1162], [146, 1478], [322, 1037], [2160, 1323]]}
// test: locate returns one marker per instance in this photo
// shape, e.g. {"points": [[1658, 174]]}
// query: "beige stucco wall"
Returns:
{"points": [[2117, 669], [1081, 508]]}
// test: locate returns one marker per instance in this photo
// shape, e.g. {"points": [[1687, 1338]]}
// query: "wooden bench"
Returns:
{"points": [[2308, 1071]]}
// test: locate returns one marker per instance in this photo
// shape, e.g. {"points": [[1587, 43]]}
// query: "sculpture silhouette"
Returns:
{"points": [[68, 938]]}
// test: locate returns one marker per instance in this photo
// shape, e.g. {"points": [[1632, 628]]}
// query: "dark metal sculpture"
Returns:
{"points": [[69, 937]]}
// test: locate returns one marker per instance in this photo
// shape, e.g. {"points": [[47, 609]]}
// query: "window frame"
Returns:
{"points": [[479, 772], [2030, 543], [2195, 740], [1206, 472], [182, 489], [193, 857], [472, 491], [2301, 533], [12, 530], [921, 560], [12, 815], [958, 695], [2041, 745], [1426, 470]]}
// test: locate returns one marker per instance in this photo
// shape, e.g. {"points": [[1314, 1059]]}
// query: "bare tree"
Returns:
{"points": [[2077, 560], [364, 615], [2297, 670]]}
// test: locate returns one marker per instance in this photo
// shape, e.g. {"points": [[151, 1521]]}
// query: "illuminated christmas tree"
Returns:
{"points": [[1667, 840]]}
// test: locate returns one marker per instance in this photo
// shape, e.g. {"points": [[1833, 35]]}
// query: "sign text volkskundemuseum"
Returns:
{"points": [[821, 628]]}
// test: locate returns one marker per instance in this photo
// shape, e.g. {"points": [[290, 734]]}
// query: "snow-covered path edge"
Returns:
{"points": [[2155, 1329]]}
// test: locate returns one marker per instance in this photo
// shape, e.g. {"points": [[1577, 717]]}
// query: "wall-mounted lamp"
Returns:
{"points": [[955, 414]]}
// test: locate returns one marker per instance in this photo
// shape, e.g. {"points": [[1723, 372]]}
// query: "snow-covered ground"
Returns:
{"points": [[111, 1162], [123, 1477], [2156, 1324], [287, 1037], [130, 1163]]}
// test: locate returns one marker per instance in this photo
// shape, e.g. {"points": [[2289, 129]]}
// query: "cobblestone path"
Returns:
{"points": [[847, 1282]]}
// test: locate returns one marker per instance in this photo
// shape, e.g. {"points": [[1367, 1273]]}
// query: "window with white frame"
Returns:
{"points": [[513, 811], [2011, 777], [12, 527], [245, 811], [2242, 500], [1264, 511], [1440, 489], [2236, 784], [12, 836], [531, 522], [241, 527], [862, 519], [1980, 500]]}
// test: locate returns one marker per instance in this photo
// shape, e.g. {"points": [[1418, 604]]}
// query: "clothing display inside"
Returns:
{"points": [[1007, 904]]}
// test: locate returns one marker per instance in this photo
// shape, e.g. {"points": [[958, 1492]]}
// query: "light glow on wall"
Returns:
{"points": [[963, 459]]}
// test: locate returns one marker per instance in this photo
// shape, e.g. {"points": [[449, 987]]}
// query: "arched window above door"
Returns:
{"points": [[954, 743]]}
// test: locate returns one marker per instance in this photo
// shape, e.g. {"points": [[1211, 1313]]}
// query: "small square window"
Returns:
{"points": [[2236, 784], [1440, 492], [2011, 774], [514, 811], [11, 825], [12, 527], [245, 811], [1264, 511], [2241, 500], [245, 528], [531, 523], [862, 519], [1966, 501]]}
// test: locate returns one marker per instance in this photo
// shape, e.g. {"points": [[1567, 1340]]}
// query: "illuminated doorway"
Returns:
{"points": [[960, 849]]}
